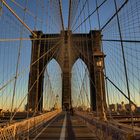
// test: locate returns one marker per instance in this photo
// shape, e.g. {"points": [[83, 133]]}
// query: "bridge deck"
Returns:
{"points": [[64, 127]]}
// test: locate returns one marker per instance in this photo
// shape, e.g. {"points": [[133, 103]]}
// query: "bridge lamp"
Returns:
{"points": [[99, 59]]}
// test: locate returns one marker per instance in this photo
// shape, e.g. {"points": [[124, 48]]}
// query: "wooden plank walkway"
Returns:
{"points": [[64, 127]]}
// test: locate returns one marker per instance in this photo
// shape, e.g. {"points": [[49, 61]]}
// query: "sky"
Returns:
{"points": [[41, 15]]}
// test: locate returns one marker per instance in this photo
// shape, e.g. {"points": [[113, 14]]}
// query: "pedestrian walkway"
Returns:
{"points": [[64, 127]]}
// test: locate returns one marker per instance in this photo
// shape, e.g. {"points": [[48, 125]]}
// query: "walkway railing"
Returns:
{"points": [[16, 130], [110, 130]]}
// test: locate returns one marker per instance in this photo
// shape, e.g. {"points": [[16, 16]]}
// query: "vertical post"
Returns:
{"points": [[124, 61]]}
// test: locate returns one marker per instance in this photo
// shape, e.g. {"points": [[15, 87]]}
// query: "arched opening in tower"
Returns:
{"points": [[52, 87], [80, 86]]}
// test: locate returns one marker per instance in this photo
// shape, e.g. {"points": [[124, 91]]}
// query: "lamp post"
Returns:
{"points": [[99, 66]]}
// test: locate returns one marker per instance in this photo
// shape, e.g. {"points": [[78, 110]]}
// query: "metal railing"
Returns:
{"points": [[109, 130], [16, 130]]}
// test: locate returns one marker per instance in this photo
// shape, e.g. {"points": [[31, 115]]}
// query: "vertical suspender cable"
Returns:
{"points": [[106, 84], [69, 18], [124, 62], [17, 65], [61, 15]]}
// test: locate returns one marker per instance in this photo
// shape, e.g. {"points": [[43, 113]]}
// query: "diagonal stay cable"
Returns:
{"points": [[57, 55], [89, 15], [56, 52], [28, 92], [105, 77], [61, 15], [10, 80], [79, 14], [20, 20], [25, 9], [115, 14]]}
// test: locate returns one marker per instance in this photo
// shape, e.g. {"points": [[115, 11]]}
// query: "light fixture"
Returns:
{"points": [[98, 57]]}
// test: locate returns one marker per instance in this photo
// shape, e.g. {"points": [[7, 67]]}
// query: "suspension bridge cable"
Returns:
{"points": [[69, 17], [18, 61], [80, 13], [6, 85], [51, 87], [82, 85], [124, 61], [73, 9], [22, 22], [92, 81], [48, 77], [25, 9], [61, 15], [28, 92], [121, 91], [13, 79], [33, 63], [102, 49], [115, 14], [74, 29]]}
